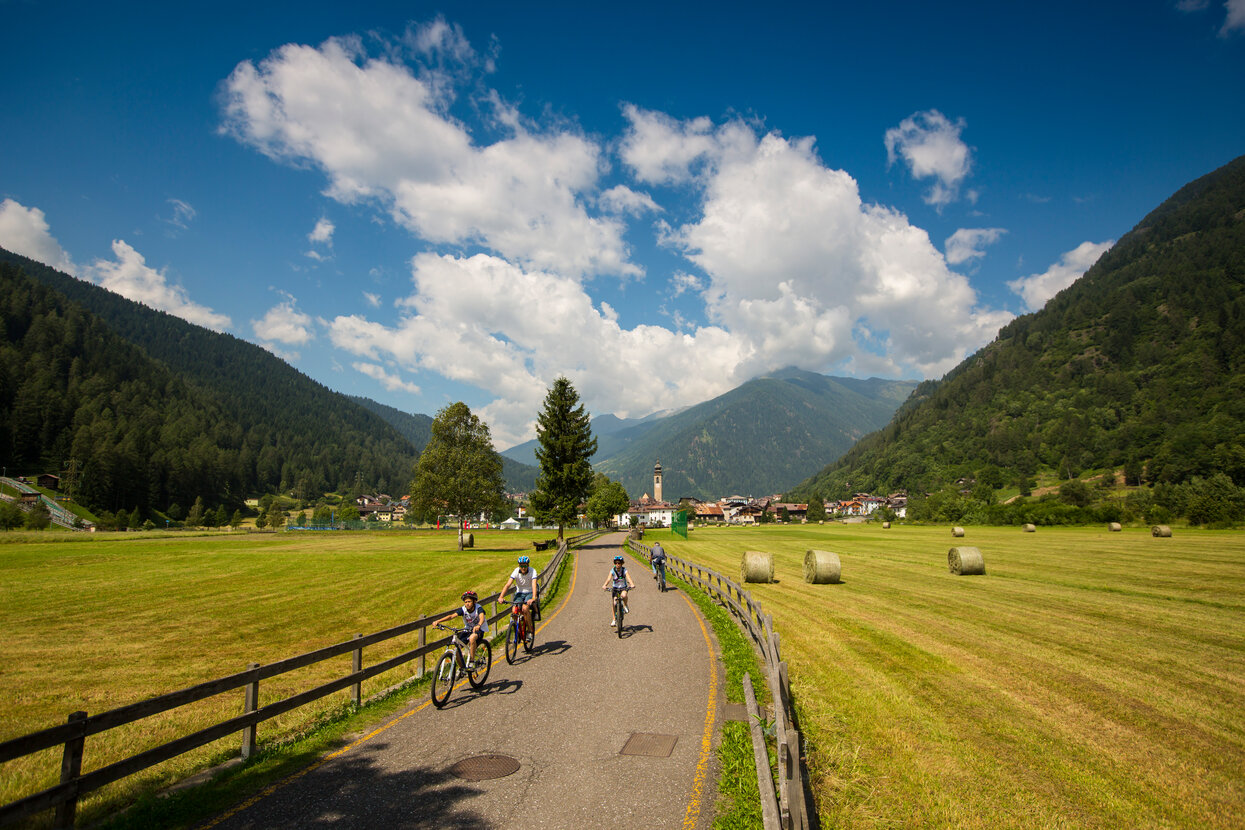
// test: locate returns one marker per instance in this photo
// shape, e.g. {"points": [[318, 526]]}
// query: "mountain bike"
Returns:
{"points": [[453, 663], [660, 567], [618, 611], [519, 633]]}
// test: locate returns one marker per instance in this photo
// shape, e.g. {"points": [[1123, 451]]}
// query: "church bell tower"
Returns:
{"points": [[657, 481]]}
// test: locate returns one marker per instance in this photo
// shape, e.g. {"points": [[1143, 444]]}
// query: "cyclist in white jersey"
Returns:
{"points": [[524, 579], [475, 623], [620, 578]]}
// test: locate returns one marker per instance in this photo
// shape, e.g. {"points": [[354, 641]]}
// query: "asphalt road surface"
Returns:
{"points": [[606, 731]]}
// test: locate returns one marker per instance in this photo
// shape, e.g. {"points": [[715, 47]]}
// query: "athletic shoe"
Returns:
{"points": [[612, 623]]}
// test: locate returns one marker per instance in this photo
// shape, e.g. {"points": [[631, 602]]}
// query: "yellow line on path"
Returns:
{"points": [[706, 742], [272, 788]]}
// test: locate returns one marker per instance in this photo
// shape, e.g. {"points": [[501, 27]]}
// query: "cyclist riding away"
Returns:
{"points": [[657, 558], [475, 623], [523, 578], [620, 580]]}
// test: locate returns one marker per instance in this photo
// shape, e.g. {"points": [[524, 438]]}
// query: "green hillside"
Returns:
{"points": [[213, 417], [1135, 367], [756, 439]]}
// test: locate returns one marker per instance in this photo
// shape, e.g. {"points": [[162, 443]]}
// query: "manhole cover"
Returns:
{"points": [[484, 767], [650, 745]]}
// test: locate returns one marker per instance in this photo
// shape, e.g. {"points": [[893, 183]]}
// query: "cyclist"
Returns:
{"points": [[620, 578], [523, 578], [475, 622], [657, 558]]}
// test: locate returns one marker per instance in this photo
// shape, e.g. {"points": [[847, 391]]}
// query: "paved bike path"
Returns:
{"points": [[565, 713]]}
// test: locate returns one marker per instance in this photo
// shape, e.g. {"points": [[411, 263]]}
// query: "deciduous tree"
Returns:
{"points": [[458, 472]]}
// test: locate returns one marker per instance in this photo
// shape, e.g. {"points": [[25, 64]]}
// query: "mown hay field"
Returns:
{"points": [[1088, 679], [96, 622]]}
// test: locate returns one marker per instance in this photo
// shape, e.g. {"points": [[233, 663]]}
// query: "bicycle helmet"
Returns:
{"points": [[471, 595], [523, 560], [619, 559]]}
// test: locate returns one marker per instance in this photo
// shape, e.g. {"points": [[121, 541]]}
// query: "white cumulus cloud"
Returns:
{"points": [[970, 243], [392, 382], [929, 144], [130, 276], [1235, 21], [284, 324], [25, 231], [322, 233], [1036, 289], [379, 129]]}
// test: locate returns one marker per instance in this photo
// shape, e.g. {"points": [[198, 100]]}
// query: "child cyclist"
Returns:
{"points": [[475, 623], [619, 578], [523, 578]]}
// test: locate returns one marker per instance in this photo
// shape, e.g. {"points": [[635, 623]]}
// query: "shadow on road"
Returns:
{"points": [[362, 794], [463, 696], [550, 647], [632, 630]]}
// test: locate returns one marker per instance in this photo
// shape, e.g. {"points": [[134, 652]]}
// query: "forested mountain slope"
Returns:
{"points": [[271, 428], [755, 439], [1138, 365]]}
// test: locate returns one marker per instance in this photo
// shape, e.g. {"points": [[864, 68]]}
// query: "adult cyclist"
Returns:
{"points": [[475, 623], [523, 578], [619, 579], [657, 559]]}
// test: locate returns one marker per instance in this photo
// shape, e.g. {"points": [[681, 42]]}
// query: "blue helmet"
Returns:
{"points": [[523, 560]]}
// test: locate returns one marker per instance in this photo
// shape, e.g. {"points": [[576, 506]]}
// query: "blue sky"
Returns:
{"points": [[423, 203]]}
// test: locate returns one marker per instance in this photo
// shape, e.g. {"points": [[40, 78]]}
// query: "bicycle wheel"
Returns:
{"points": [[529, 638], [618, 615], [661, 580], [512, 643], [484, 661], [443, 679]]}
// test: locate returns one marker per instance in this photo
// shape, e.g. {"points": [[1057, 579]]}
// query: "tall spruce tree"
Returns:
{"points": [[458, 472], [564, 435]]}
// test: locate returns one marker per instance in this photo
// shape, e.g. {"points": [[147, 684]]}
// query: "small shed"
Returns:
{"points": [[48, 481], [511, 524]]}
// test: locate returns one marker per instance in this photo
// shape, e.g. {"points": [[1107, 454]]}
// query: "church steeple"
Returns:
{"points": [[657, 481]]}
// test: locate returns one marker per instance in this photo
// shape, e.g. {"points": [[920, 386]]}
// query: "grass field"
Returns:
{"points": [[100, 621], [1089, 679]]}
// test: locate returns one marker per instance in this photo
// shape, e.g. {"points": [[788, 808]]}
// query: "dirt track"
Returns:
{"points": [[565, 713]]}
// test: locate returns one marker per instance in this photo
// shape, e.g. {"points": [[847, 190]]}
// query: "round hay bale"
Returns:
{"points": [[957, 532], [1030, 528], [1115, 527], [821, 567], [1161, 531], [886, 525], [965, 561], [469, 540], [757, 567]]}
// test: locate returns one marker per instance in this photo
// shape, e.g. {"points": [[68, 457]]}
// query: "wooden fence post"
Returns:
{"points": [[71, 768], [356, 666], [250, 704], [423, 658]]}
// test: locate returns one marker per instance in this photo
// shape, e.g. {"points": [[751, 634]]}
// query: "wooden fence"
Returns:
{"points": [[73, 734], [784, 805]]}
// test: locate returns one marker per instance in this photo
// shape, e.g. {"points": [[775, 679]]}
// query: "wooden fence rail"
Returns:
{"points": [[792, 798], [73, 734]]}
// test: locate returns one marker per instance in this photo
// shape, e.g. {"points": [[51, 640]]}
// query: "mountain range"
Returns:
{"points": [[1136, 367], [756, 439]]}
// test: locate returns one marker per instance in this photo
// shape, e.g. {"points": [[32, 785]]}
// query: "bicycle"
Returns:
{"points": [[660, 568], [618, 611], [453, 660], [519, 633]]}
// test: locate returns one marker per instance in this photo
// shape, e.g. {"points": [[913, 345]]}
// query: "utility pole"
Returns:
{"points": [[71, 477]]}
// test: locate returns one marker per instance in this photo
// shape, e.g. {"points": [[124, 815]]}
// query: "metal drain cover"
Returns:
{"points": [[649, 745], [484, 767]]}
